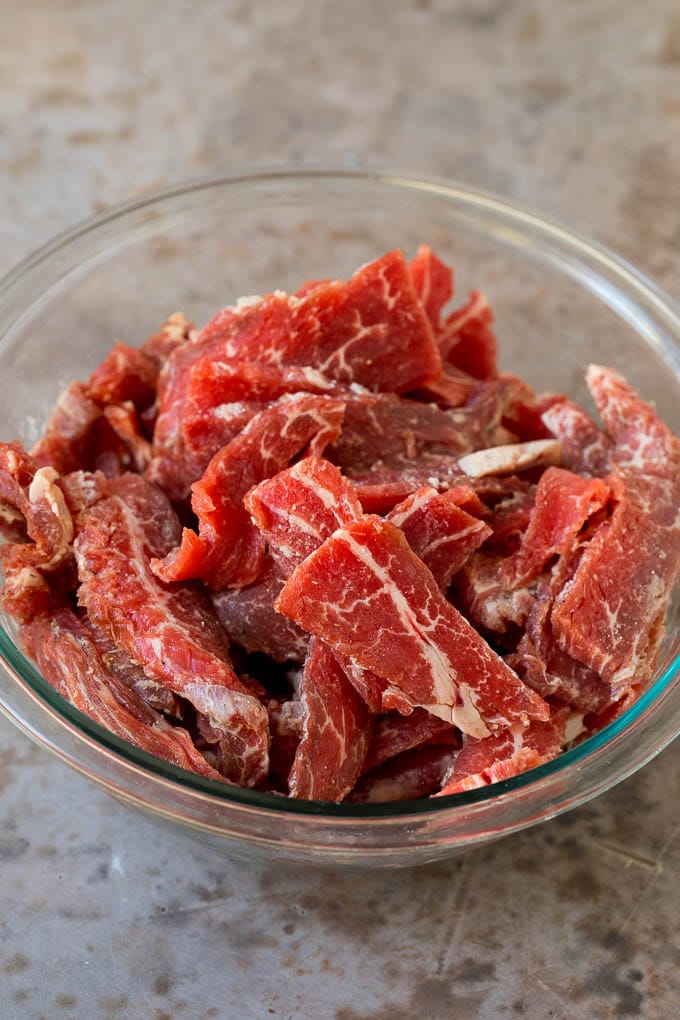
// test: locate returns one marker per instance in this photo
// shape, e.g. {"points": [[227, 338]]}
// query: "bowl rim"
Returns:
{"points": [[623, 272]]}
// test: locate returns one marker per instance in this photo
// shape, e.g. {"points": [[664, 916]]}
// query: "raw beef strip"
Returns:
{"points": [[74, 435], [285, 725], [564, 502], [69, 427], [384, 431], [31, 497], [595, 721], [300, 507], [124, 421], [439, 532], [433, 282], [336, 730], [374, 690], [83, 488], [380, 491], [69, 659], [371, 330], [173, 333], [466, 340], [218, 400], [539, 660], [32, 507], [503, 755], [509, 520], [450, 389], [393, 734], [368, 595], [481, 421], [172, 633], [644, 446], [607, 615], [249, 618], [411, 775], [229, 549], [391, 446], [309, 285], [523, 414], [117, 661], [126, 373], [488, 600], [585, 449]]}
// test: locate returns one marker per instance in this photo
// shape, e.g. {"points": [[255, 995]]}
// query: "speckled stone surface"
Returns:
{"points": [[572, 107]]}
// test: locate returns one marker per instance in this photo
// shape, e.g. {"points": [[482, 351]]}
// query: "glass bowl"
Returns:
{"points": [[560, 303]]}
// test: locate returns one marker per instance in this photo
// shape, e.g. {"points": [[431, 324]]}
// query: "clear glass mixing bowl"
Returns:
{"points": [[560, 303]]}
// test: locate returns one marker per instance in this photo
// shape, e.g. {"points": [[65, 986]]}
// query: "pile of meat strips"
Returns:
{"points": [[323, 547]]}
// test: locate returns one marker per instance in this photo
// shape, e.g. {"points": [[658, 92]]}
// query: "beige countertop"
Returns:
{"points": [[573, 108]]}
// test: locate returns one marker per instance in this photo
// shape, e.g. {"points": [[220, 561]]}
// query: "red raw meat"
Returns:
{"points": [[439, 532], [385, 432], [585, 449], [540, 661], [607, 615], [411, 775], [229, 549], [489, 603], [173, 333], [523, 415], [285, 724], [64, 446], [450, 389], [377, 693], [493, 402], [564, 502], [569, 573], [299, 508], [31, 498], [249, 618], [126, 373], [371, 330], [168, 441], [393, 734], [466, 340], [75, 436], [390, 446], [503, 755], [172, 632], [509, 520], [336, 730], [217, 401], [309, 285], [69, 659], [83, 488], [369, 596], [32, 507], [643, 445], [380, 492], [117, 661], [124, 421], [433, 282]]}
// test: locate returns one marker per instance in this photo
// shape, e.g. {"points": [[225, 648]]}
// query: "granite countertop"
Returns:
{"points": [[573, 108]]}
